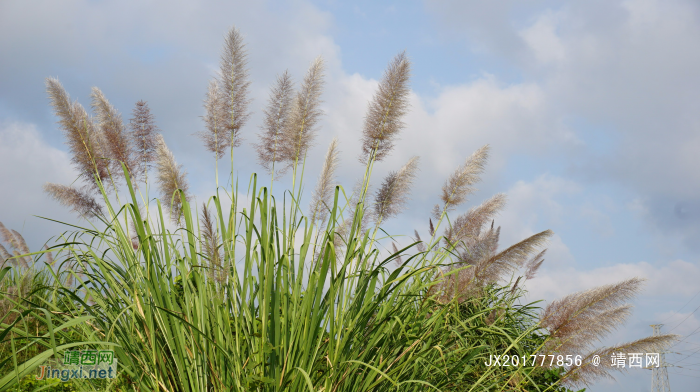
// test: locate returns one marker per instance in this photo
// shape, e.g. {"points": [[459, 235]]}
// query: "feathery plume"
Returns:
{"points": [[234, 85], [113, 131], [170, 178], [17, 244], [515, 285], [431, 228], [80, 202], [215, 136], [82, 137], [392, 196], [467, 226], [4, 256], [587, 373], [459, 184], [533, 265], [143, 137], [493, 269], [305, 113], [211, 246], [579, 319], [344, 229], [396, 250], [322, 201], [271, 147], [388, 106], [421, 245]]}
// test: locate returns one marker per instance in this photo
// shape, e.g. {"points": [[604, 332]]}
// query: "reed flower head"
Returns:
{"points": [[305, 112], [534, 264], [79, 201], [143, 136], [460, 183], [83, 138], [587, 373], [233, 85], [322, 199], [113, 131], [211, 246], [389, 104], [392, 196], [578, 320], [271, 148], [19, 246], [468, 226], [171, 178], [421, 244], [215, 136]]}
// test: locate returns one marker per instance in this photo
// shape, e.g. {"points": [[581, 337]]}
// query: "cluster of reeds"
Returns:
{"points": [[265, 297]]}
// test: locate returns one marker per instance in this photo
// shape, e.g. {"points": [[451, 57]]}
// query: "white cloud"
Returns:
{"points": [[28, 162], [675, 278]]}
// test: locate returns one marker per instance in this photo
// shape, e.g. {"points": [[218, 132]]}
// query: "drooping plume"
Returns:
{"points": [[80, 202], [459, 184], [82, 137], [588, 373], [578, 320], [143, 137], [534, 264], [322, 199], [305, 113], [233, 85], [388, 106], [271, 149], [392, 196], [215, 137], [113, 132], [486, 264], [170, 178]]}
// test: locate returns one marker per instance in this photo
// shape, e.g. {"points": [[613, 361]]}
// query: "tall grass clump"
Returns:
{"points": [[249, 292]]}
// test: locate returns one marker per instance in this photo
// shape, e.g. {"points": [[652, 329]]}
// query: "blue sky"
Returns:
{"points": [[591, 109]]}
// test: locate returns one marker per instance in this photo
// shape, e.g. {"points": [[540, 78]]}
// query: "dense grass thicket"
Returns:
{"points": [[252, 291]]}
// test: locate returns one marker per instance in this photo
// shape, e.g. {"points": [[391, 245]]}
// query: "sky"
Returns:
{"points": [[590, 109]]}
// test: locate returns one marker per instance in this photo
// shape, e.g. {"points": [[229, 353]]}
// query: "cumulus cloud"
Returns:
{"points": [[28, 162]]}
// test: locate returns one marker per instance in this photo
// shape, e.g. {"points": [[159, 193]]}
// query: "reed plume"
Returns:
{"points": [[392, 196], [587, 373], [578, 320], [112, 128], [79, 201], [271, 147], [233, 85], [82, 137], [215, 135], [19, 246], [322, 198], [211, 246], [171, 178], [486, 265], [533, 265], [389, 104], [143, 136], [399, 261], [421, 245], [460, 184], [467, 226], [305, 112]]}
